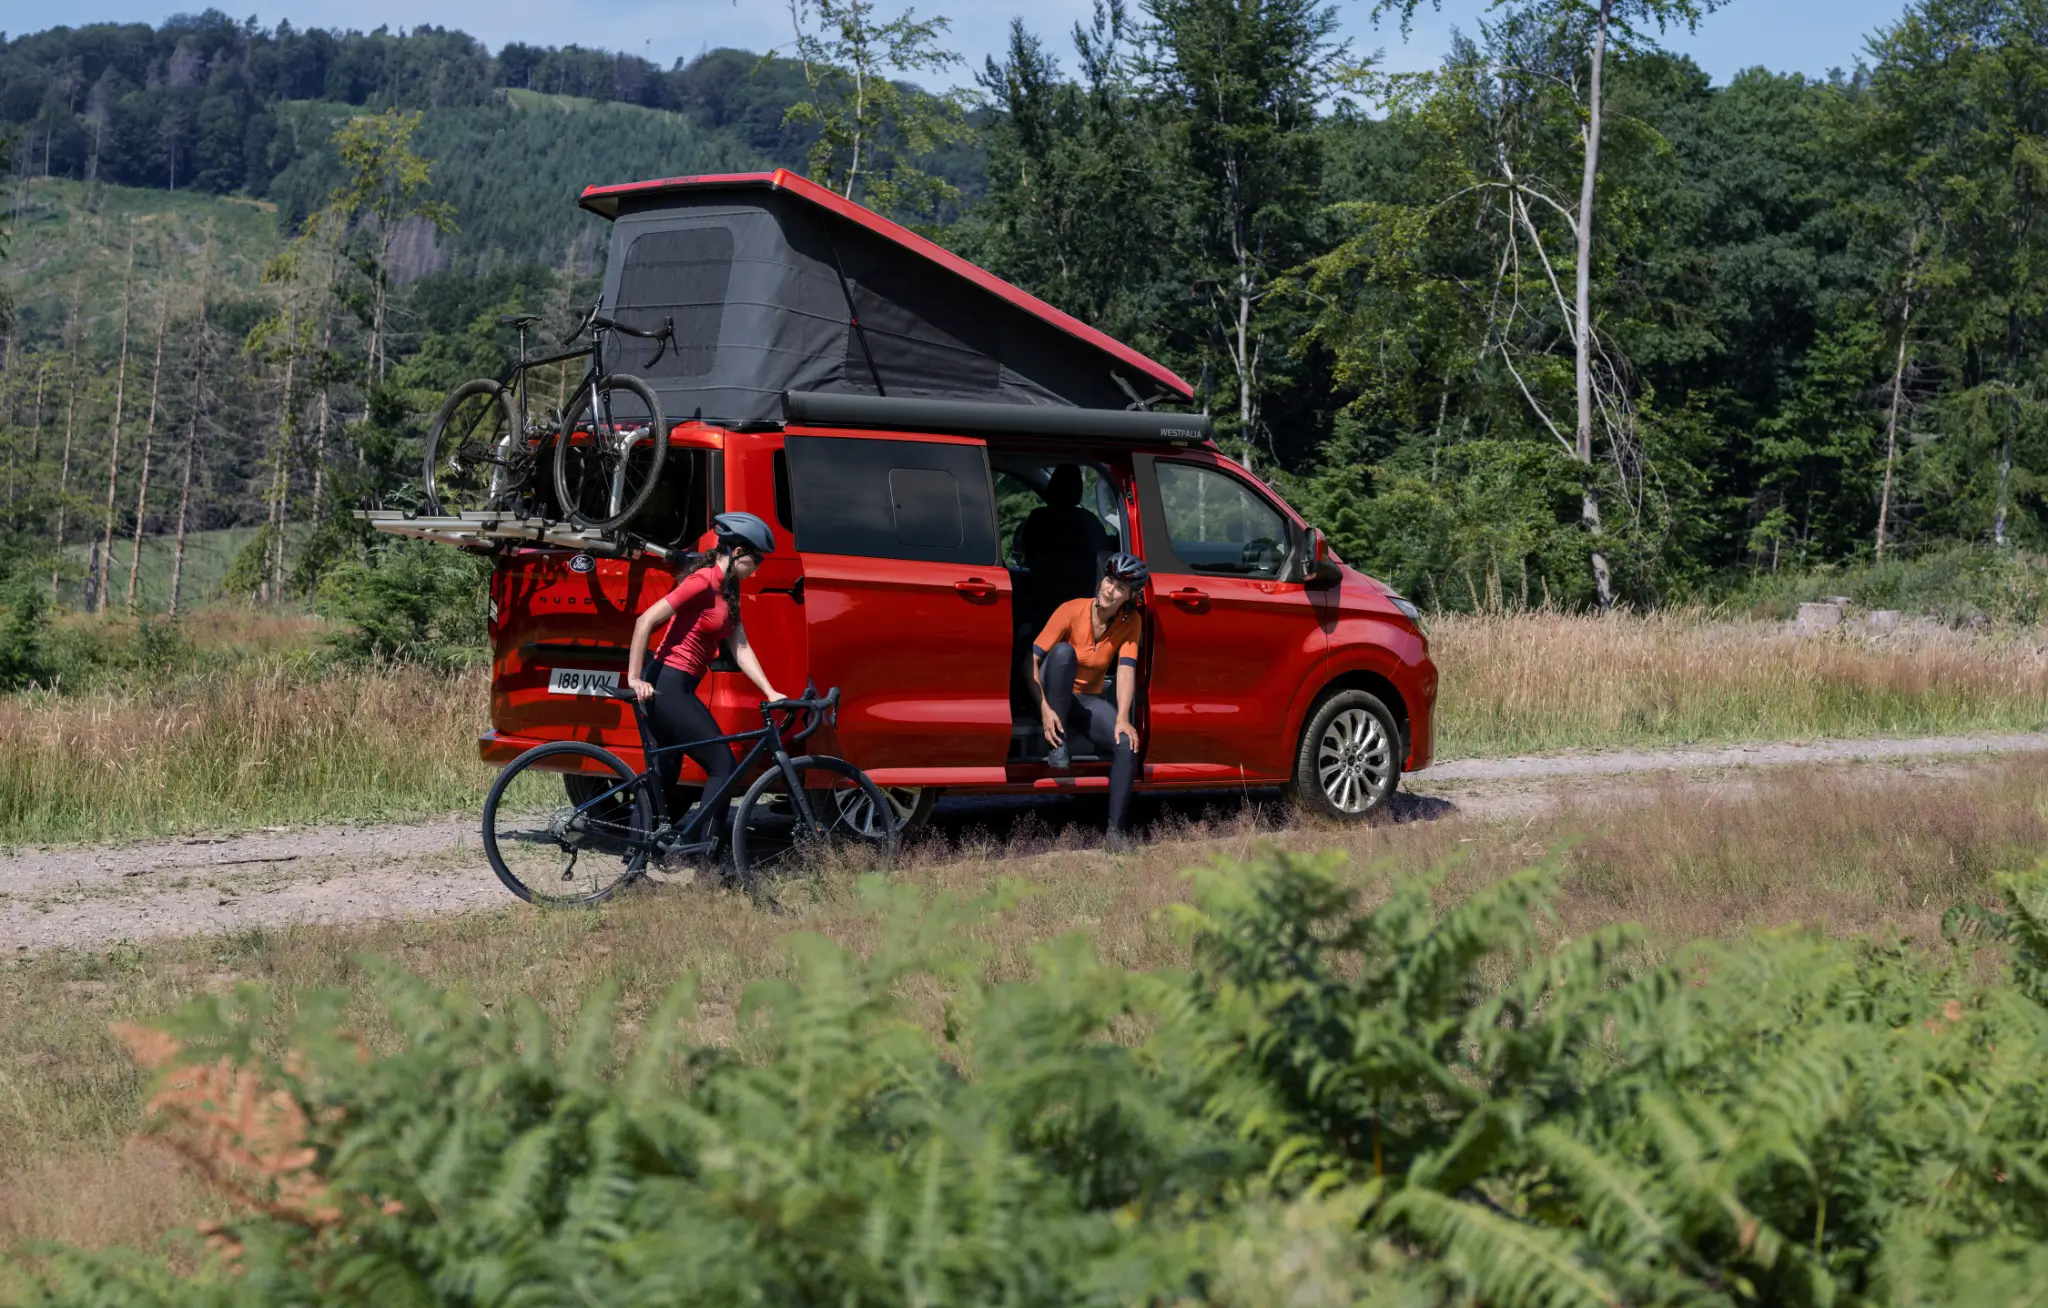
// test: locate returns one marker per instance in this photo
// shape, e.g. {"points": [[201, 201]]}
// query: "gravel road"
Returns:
{"points": [[93, 896]]}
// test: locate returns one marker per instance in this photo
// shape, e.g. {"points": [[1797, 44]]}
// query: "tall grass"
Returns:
{"points": [[245, 730], [1531, 682], [278, 741], [1840, 849]]}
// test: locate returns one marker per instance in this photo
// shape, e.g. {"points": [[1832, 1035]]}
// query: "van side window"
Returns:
{"points": [[1218, 524], [883, 499]]}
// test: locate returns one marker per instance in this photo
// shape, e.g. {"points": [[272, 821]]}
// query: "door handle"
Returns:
{"points": [[1188, 595], [975, 587]]}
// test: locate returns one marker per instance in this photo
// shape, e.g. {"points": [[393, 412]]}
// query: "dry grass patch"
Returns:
{"points": [[1533, 682], [240, 746], [1859, 848]]}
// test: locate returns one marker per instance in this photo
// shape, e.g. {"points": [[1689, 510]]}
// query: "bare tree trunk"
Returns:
{"points": [[192, 421], [280, 481], [156, 372], [71, 329], [1891, 430], [320, 432], [64, 480], [185, 491], [1582, 337], [1998, 518], [114, 444], [376, 370]]}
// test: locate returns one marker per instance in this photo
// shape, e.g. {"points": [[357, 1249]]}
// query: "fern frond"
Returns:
{"points": [[1508, 1263]]}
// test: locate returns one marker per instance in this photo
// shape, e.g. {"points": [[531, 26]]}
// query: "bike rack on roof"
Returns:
{"points": [[486, 530]]}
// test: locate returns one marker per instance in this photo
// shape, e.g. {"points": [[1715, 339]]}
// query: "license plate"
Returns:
{"points": [[582, 681]]}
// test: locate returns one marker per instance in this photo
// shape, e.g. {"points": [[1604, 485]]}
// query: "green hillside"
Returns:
{"points": [[513, 169], [74, 236]]}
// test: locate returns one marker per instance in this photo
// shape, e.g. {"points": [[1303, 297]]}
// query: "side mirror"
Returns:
{"points": [[1308, 557]]}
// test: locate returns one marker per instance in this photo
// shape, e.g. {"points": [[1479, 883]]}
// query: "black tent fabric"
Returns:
{"points": [[772, 291]]}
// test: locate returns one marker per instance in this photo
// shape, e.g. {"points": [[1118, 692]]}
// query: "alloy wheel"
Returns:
{"points": [[1353, 760]]}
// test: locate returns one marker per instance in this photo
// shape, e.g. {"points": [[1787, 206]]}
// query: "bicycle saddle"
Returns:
{"points": [[518, 319]]}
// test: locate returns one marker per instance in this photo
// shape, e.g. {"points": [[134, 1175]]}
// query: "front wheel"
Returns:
{"points": [[826, 820], [551, 852], [608, 457], [1349, 759]]}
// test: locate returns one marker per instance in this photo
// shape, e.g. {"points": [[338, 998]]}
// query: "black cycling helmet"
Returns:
{"points": [[1128, 569], [744, 531]]}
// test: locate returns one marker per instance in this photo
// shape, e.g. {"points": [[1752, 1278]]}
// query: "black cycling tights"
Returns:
{"points": [[1093, 718], [677, 715]]}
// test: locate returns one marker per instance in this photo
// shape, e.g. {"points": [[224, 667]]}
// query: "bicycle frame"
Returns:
{"points": [[516, 376], [594, 374], [767, 740]]}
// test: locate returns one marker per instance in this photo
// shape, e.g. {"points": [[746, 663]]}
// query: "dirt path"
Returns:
{"points": [[93, 896]]}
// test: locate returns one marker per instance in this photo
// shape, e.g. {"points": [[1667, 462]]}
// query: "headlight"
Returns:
{"points": [[1414, 614]]}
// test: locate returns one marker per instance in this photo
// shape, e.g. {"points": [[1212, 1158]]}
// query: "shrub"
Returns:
{"points": [[24, 632], [1331, 1105], [410, 600]]}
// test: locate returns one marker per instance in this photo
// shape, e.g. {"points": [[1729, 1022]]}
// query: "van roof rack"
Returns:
{"points": [[843, 409], [483, 530]]}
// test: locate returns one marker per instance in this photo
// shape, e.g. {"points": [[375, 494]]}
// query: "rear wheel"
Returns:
{"points": [[773, 835], [474, 462], [608, 457], [550, 850], [1349, 759]]}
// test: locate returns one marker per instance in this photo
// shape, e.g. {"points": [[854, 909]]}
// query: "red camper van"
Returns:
{"points": [[896, 413]]}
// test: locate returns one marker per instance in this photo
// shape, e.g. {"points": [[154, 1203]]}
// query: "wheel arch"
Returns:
{"points": [[1373, 683]]}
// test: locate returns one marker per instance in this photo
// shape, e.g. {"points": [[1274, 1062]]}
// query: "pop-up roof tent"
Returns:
{"points": [[776, 285]]}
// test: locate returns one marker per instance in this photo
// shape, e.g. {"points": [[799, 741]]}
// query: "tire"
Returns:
{"points": [[471, 461], [607, 473], [545, 850], [1348, 763], [910, 807], [770, 838]]}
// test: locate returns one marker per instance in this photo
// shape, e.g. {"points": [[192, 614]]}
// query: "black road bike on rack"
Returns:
{"points": [[799, 812], [489, 452]]}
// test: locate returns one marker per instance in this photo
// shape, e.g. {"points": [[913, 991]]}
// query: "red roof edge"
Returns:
{"points": [[603, 201]]}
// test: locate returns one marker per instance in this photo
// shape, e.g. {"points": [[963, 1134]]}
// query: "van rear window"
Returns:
{"points": [[884, 499]]}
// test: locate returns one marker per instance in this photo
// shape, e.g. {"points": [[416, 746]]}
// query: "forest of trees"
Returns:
{"points": [[1561, 317]]}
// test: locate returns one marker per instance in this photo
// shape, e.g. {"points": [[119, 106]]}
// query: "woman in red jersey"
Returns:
{"points": [[702, 614]]}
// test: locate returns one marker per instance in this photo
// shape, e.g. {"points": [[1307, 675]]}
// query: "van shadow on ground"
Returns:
{"points": [[1020, 822]]}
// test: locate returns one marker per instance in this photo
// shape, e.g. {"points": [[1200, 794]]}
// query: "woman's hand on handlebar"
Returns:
{"points": [[642, 690]]}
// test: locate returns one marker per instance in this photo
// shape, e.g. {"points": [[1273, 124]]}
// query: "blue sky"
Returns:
{"points": [[1808, 36]]}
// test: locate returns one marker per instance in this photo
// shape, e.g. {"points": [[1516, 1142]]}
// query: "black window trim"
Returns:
{"points": [[1158, 552]]}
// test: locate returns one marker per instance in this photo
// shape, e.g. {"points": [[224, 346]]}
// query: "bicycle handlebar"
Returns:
{"points": [[822, 708], [663, 335]]}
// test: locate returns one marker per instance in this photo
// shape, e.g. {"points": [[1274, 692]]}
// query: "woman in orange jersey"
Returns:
{"points": [[1071, 660]]}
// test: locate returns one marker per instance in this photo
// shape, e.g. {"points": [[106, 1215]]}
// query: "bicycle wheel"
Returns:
{"points": [[552, 850], [772, 836], [473, 462], [608, 459]]}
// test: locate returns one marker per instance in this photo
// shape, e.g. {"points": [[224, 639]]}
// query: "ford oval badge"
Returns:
{"points": [[581, 563]]}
